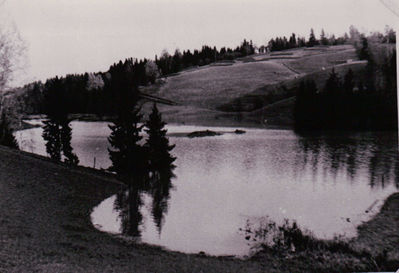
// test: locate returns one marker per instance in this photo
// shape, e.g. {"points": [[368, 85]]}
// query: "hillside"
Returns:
{"points": [[256, 90], [253, 89]]}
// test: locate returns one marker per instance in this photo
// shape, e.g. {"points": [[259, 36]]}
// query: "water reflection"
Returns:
{"points": [[367, 162], [156, 183], [127, 204], [333, 154], [160, 191], [320, 181]]}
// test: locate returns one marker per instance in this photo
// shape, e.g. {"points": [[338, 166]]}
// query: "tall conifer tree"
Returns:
{"points": [[56, 131], [157, 144], [312, 39], [126, 153], [6, 136], [160, 165]]}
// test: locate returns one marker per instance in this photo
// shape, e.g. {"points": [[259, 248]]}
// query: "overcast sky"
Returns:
{"points": [[75, 36]]}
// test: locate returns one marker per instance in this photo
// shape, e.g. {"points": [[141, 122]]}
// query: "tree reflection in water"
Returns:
{"points": [[160, 186], [351, 152], [128, 203]]}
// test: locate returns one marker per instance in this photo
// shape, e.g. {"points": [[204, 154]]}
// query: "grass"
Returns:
{"points": [[315, 62], [386, 231], [249, 90], [293, 244], [210, 87], [275, 102]]}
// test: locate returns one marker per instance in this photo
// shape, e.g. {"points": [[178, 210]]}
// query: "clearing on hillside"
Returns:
{"points": [[214, 85], [225, 90]]}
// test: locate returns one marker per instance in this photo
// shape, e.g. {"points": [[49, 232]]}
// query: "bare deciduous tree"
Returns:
{"points": [[11, 51]]}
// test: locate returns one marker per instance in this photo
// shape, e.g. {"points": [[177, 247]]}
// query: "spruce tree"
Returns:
{"points": [[157, 144], [333, 84], [6, 136], [66, 137], [332, 101], [323, 38], [312, 39], [53, 109], [128, 157], [348, 82], [363, 52], [305, 107], [293, 41], [51, 135], [56, 131], [51, 131], [127, 154], [160, 165], [389, 74]]}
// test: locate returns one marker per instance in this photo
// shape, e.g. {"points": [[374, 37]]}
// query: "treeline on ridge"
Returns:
{"points": [[366, 102], [93, 93], [295, 41], [88, 93]]}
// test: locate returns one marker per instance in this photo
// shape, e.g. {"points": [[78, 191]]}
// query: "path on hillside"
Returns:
{"points": [[290, 68]]}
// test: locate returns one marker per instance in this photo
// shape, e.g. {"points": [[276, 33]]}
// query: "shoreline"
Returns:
{"points": [[63, 239], [233, 125], [46, 224]]}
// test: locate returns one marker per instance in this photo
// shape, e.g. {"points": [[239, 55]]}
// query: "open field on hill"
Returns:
{"points": [[207, 88], [247, 91], [241, 92], [211, 86], [309, 63]]}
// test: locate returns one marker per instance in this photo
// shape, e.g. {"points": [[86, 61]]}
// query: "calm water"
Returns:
{"points": [[325, 183]]}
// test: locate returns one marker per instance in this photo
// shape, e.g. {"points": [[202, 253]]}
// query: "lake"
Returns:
{"points": [[328, 183]]}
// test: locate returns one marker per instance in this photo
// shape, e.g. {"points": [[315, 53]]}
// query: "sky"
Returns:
{"points": [[77, 36]]}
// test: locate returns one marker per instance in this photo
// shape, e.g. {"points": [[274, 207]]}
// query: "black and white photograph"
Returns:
{"points": [[199, 136]]}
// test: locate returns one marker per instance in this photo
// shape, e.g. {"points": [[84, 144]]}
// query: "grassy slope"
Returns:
{"points": [[278, 100], [382, 232], [208, 88], [314, 59], [45, 227], [215, 94]]}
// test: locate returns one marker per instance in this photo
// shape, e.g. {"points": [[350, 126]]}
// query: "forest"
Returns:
{"points": [[357, 102], [90, 93]]}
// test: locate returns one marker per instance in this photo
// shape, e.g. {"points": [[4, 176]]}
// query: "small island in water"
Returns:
{"points": [[203, 134]]}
